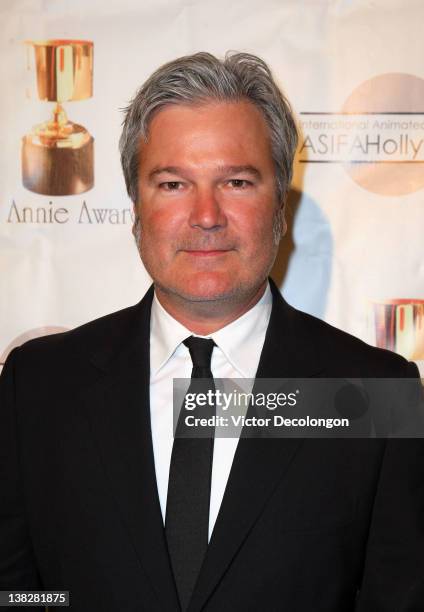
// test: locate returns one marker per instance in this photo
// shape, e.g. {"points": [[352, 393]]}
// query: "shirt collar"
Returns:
{"points": [[238, 340]]}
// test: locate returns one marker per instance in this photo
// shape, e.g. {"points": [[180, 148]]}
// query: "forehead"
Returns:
{"points": [[211, 130]]}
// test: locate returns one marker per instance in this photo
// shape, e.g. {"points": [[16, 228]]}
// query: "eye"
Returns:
{"points": [[170, 185], [239, 183]]}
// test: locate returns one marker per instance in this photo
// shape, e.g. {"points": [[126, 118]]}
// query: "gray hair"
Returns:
{"points": [[198, 78]]}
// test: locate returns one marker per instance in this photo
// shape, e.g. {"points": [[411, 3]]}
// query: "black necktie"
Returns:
{"points": [[187, 506]]}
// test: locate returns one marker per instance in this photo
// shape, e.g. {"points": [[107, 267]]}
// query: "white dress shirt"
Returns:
{"points": [[236, 355]]}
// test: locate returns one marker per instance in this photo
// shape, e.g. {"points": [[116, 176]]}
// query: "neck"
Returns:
{"points": [[204, 318]]}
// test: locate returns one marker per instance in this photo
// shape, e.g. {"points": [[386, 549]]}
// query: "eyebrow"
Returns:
{"points": [[226, 170]]}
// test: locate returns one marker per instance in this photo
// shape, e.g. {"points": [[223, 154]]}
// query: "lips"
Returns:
{"points": [[206, 253]]}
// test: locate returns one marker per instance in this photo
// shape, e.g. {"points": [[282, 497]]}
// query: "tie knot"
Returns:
{"points": [[200, 351]]}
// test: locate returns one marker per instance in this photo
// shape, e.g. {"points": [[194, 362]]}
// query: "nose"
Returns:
{"points": [[207, 212]]}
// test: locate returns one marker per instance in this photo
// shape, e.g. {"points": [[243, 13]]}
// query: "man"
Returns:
{"points": [[97, 497]]}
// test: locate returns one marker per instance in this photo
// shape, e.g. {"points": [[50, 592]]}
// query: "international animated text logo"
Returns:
{"points": [[378, 135]]}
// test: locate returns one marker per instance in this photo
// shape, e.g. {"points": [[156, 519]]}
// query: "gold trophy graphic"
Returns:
{"points": [[58, 155]]}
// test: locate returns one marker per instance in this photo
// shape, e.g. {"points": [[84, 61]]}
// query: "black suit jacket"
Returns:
{"points": [[305, 525]]}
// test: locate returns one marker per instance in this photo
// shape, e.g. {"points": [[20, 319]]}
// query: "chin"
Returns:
{"points": [[207, 288]]}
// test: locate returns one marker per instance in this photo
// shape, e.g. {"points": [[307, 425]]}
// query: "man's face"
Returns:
{"points": [[207, 201]]}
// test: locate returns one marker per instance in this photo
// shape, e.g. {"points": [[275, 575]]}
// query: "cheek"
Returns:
{"points": [[254, 226], [161, 224], [159, 217]]}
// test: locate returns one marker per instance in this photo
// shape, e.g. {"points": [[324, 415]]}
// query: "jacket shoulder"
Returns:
{"points": [[90, 337]]}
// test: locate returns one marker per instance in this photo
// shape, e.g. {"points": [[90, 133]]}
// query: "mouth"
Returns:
{"points": [[206, 252]]}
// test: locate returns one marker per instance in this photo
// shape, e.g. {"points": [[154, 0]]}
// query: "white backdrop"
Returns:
{"points": [[354, 74]]}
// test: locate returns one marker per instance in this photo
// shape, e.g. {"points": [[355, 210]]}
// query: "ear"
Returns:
{"points": [[283, 215], [136, 221]]}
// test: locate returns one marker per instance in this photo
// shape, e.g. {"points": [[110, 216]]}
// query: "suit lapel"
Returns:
{"points": [[259, 464], [119, 412]]}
